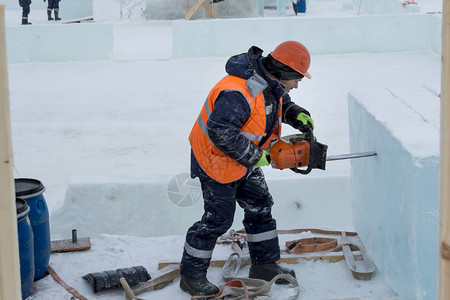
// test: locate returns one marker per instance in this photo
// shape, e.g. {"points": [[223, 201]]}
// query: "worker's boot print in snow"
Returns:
{"points": [[269, 271]]}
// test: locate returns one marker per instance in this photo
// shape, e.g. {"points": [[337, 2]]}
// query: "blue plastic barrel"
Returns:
{"points": [[301, 6], [32, 191], [26, 248]]}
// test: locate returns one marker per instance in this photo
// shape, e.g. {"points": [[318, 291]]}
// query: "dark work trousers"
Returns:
{"points": [[53, 4], [252, 194], [25, 12]]}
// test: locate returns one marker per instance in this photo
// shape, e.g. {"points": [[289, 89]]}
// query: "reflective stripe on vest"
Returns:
{"points": [[215, 163], [252, 137], [261, 237]]}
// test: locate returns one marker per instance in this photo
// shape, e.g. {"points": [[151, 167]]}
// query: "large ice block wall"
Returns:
{"points": [[111, 205], [66, 42], [200, 38], [395, 195], [322, 35]]}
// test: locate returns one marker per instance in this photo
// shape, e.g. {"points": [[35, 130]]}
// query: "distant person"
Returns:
{"points": [[25, 4], [53, 5], [241, 116]]}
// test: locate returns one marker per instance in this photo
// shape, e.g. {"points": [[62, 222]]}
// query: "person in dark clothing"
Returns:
{"points": [[25, 4], [229, 143], [53, 5]]}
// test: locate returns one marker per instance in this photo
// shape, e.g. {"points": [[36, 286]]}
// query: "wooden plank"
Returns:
{"points": [[314, 230], [444, 223], [193, 9], [288, 260], [9, 249], [59, 246], [208, 10], [190, 12]]}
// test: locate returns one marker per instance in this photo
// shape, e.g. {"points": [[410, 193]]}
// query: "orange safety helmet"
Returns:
{"points": [[294, 55]]}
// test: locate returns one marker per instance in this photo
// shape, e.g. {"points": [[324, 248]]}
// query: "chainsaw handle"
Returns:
{"points": [[304, 172], [310, 138]]}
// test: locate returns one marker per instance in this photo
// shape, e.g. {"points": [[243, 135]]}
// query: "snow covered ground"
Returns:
{"points": [[317, 280], [130, 117]]}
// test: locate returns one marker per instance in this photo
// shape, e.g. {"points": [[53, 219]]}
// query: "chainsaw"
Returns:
{"points": [[304, 151]]}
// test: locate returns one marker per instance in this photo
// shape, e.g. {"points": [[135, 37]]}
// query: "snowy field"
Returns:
{"points": [[130, 118]]}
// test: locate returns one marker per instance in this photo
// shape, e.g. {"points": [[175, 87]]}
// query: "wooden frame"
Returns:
{"points": [[9, 249], [197, 4], [444, 222]]}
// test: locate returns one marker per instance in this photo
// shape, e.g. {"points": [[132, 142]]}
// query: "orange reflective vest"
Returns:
{"points": [[215, 163]]}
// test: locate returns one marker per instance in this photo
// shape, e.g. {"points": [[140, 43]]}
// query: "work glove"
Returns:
{"points": [[306, 120], [264, 160]]}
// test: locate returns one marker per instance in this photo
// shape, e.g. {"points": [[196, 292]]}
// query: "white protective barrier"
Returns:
{"points": [[395, 195], [322, 35], [66, 42], [168, 205]]}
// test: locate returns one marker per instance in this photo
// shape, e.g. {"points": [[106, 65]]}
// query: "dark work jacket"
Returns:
{"points": [[231, 112]]}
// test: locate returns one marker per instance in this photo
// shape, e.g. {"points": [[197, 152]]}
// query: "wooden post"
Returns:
{"points": [[9, 250], [444, 223], [190, 12]]}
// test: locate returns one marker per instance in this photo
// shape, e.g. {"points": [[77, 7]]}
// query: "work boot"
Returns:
{"points": [[198, 287], [269, 271], [49, 14], [57, 18]]}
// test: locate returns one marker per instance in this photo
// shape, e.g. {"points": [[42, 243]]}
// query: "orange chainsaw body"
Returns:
{"points": [[298, 151], [286, 155]]}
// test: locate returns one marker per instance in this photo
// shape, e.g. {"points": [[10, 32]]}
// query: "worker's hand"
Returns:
{"points": [[306, 120], [264, 160]]}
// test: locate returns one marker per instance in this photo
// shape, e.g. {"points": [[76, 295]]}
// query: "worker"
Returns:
{"points": [[229, 141], [53, 5], [25, 4]]}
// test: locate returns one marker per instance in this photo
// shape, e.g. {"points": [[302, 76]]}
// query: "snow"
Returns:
{"points": [[130, 117], [317, 280]]}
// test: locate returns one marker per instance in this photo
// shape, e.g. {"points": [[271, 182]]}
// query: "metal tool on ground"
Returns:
{"points": [[303, 150], [111, 278], [75, 244]]}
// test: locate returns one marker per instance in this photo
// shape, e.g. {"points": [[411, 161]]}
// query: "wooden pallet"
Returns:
{"points": [[59, 246]]}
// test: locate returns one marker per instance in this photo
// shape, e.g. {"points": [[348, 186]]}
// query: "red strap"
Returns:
{"points": [[313, 244], [232, 284]]}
